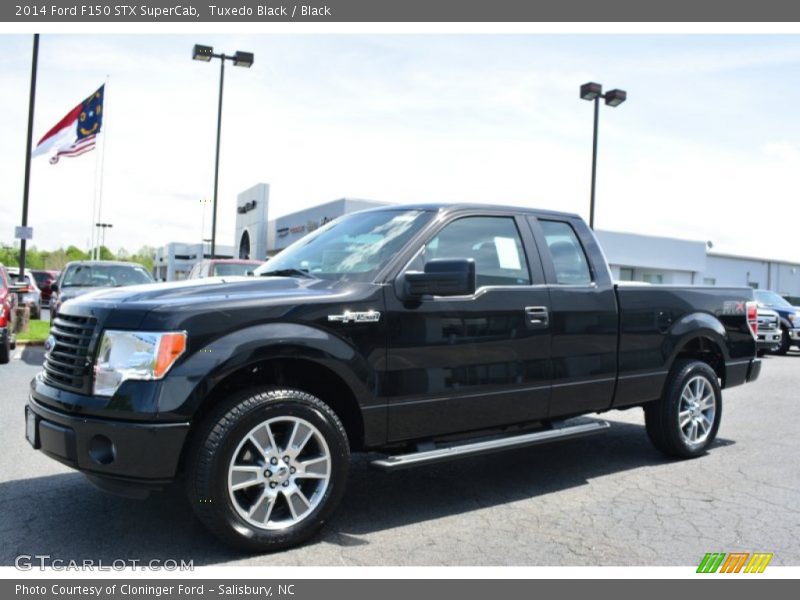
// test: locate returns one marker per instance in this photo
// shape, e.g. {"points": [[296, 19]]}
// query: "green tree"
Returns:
{"points": [[75, 253], [145, 257], [106, 254], [56, 260]]}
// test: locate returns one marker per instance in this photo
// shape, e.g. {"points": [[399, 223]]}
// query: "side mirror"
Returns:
{"points": [[54, 286], [441, 277]]}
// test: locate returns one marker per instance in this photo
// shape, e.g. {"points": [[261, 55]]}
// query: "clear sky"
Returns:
{"points": [[707, 146]]}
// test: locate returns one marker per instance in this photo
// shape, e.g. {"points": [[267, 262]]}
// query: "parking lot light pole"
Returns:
{"points": [[239, 59], [27, 181], [593, 92], [102, 227]]}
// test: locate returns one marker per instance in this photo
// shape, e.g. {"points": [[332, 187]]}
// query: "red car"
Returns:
{"points": [[44, 279], [8, 302]]}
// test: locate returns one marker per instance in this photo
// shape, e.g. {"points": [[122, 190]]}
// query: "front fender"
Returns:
{"points": [[196, 377]]}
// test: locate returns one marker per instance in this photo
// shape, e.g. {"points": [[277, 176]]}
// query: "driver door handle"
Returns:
{"points": [[537, 316]]}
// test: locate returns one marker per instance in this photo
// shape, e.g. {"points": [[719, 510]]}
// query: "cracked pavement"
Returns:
{"points": [[609, 499]]}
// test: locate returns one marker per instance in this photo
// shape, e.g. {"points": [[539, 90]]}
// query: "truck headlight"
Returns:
{"points": [[139, 355], [793, 318]]}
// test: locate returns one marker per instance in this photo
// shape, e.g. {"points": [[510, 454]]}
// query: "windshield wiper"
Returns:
{"points": [[287, 273]]}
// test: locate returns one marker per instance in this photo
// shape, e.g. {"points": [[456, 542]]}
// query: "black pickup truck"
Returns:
{"points": [[418, 333]]}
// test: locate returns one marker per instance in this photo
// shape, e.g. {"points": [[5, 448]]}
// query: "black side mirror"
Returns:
{"points": [[441, 277], [54, 286]]}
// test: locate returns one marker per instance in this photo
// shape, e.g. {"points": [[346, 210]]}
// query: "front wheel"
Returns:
{"points": [[268, 468], [684, 422], [785, 344]]}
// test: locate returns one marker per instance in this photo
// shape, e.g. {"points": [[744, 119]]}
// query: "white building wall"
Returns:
{"points": [[252, 206], [173, 261], [654, 259], [780, 277]]}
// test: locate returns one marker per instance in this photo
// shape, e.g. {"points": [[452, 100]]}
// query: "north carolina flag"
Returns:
{"points": [[76, 133]]}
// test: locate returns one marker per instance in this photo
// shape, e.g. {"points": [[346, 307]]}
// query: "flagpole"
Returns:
{"points": [[27, 184], [104, 133], [93, 245]]}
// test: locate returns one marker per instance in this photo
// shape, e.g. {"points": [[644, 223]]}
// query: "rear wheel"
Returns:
{"points": [[268, 468], [684, 422]]}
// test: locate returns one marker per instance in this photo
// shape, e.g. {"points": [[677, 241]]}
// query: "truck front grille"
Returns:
{"points": [[766, 324], [67, 364]]}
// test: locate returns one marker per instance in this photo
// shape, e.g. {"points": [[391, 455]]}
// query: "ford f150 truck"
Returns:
{"points": [[419, 333]]}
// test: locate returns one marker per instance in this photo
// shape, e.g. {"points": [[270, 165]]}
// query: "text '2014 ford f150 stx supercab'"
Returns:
{"points": [[421, 333]]}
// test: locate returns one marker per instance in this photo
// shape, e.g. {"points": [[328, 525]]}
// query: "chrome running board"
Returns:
{"points": [[444, 453]]}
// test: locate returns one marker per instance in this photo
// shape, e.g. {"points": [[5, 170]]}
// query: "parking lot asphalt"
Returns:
{"points": [[611, 499]]}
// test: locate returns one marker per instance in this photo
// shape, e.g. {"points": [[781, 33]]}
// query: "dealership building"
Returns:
{"points": [[631, 257]]}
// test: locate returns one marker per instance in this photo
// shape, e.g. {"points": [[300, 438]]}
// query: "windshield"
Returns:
{"points": [[771, 299], [105, 276], [229, 269], [352, 248]]}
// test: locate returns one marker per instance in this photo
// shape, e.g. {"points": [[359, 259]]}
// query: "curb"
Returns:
{"points": [[30, 343]]}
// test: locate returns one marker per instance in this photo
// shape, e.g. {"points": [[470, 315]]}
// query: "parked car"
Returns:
{"points": [[29, 293], [789, 315], [769, 331], [82, 277], [421, 333], [44, 279], [8, 302], [219, 267]]}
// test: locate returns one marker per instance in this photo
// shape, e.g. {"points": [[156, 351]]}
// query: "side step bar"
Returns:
{"points": [[441, 454]]}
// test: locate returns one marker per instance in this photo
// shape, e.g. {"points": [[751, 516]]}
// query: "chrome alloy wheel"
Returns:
{"points": [[697, 409], [279, 473]]}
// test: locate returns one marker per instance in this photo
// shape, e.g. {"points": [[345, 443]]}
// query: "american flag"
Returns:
{"points": [[82, 146]]}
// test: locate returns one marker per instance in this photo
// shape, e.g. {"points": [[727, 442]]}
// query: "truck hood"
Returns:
{"points": [[210, 291], [216, 303]]}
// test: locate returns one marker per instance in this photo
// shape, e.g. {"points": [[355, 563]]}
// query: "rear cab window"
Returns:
{"points": [[567, 254]]}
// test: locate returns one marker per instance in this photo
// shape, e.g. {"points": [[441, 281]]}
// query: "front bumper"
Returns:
{"points": [[119, 456], [768, 339]]}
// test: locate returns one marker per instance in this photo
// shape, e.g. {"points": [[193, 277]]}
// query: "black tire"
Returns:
{"points": [[785, 344], [661, 417], [213, 446], [5, 351]]}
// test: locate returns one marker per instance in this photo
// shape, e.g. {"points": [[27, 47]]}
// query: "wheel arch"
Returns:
{"points": [[700, 336], [275, 354]]}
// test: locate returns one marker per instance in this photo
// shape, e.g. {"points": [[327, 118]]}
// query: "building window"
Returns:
{"points": [[754, 285], [625, 274], [709, 281], [652, 278]]}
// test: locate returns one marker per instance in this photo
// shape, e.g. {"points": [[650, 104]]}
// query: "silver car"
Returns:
{"points": [[32, 298]]}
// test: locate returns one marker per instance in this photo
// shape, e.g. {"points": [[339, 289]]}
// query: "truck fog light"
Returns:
{"points": [[102, 450]]}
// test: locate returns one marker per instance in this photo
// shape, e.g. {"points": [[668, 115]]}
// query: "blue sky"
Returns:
{"points": [[707, 147]]}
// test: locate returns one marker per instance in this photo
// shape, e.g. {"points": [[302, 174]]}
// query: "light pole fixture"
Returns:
{"points": [[102, 227], [239, 59], [593, 92]]}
